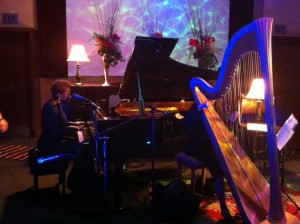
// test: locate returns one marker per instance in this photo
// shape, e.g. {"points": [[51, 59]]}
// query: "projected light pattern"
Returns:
{"points": [[153, 15], [81, 25]]}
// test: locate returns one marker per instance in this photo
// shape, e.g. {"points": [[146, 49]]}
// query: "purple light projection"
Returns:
{"points": [[81, 25]]}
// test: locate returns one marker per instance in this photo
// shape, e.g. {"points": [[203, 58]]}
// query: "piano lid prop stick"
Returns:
{"points": [[141, 100]]}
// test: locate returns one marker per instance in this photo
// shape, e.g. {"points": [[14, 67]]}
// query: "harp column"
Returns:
{"points": [[276, 212]]}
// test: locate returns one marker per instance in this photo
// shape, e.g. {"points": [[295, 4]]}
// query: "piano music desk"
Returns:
{"points": [[95, 91]]}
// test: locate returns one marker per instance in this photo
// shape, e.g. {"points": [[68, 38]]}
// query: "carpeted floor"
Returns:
{"points": [[19, 203], [14, 152]]}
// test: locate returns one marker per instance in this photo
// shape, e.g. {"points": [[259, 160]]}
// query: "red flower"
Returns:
{"points": [[207, 38], [115, 37], [200, 48], [156, 35], [107, 44], [98, 41], [194, 42]]}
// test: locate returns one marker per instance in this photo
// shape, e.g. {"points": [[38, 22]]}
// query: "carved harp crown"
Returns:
{"points": [[256, 199]]}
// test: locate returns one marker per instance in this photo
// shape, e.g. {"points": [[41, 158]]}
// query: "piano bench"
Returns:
{"points": [[57, 166], [184, 160]]}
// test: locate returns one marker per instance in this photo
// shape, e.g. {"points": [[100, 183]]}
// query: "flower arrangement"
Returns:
{"points": [[204, 51], [105, 36], [202, 27], [108, 48]]}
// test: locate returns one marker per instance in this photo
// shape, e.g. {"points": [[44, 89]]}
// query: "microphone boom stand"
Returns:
{"points": [[103, 136], [153, 143], [97, 154], [95, 111]]}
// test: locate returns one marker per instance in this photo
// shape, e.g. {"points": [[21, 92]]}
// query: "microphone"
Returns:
{"points": [[78, 97], [100, 111]]}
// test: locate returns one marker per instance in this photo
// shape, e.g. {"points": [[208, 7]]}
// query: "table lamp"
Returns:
{"points": [[78, 54], [257, 93]]}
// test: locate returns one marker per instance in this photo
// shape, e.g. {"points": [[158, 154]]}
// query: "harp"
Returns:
{"points": [[258, 200]]}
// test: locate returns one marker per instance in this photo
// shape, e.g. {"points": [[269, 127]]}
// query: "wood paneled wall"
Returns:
{"points": [[286, 63], [18, 78], [52, 38]]}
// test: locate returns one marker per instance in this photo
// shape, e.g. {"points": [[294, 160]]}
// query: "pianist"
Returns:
{"points": [[59, 138], [200, 147], [54, 122]]}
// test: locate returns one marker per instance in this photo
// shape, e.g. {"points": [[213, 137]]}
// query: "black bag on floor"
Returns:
{"points": [[174, 203]]}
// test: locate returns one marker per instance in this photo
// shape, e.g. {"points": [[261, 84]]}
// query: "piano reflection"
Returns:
{"points": [[152, 80]]}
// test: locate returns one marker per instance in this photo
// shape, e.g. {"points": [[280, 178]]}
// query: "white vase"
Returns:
{"points": [[106, 73]]}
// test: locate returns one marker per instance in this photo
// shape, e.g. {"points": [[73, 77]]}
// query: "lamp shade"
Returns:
{"points": [[257, 90], [78, 54], [257, 127]]}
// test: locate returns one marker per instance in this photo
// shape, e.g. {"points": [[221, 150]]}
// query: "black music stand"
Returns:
{"points": [[131, 85], [153, 144], [104, 137]]}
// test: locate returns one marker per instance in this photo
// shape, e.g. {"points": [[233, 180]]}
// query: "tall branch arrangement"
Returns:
{"points": [[203, 21], [154, 22], [106, 39]]}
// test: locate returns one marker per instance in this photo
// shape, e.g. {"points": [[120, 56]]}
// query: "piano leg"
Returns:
{"points": [[114, 184]]}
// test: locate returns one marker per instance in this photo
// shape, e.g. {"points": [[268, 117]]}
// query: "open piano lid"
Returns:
{"points": [[162, 78]]}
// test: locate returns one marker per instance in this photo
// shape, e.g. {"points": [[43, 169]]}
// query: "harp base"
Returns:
{"points": [[289, 219]]}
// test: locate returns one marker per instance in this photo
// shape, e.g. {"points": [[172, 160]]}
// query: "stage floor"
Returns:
{"points": [[20, 204]]}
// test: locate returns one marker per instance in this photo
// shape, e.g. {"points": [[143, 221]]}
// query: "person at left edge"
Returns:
{"points": [[3, 124]]}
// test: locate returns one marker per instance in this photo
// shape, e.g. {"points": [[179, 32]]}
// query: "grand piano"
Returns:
{"points": [[152, 80], [157, 88]]}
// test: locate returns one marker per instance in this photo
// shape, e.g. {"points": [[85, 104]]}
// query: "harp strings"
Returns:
{"points": [[235, 113]]}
